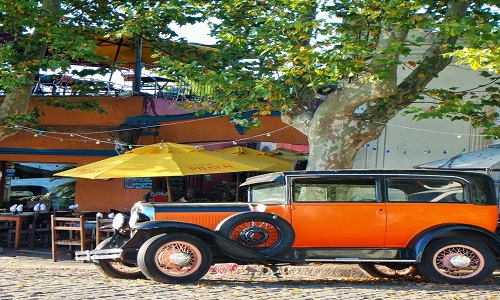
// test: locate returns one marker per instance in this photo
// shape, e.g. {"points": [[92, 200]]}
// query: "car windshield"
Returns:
{"points": [[273, 192]]}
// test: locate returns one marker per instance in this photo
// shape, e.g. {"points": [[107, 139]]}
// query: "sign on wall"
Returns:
{"points": [[139, 183]]}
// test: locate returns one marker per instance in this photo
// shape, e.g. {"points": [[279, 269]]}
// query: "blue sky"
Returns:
{"points": [[197, 33]]}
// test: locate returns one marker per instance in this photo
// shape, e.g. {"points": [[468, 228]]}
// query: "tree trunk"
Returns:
{"points": [[15, 103], [336, 133]]}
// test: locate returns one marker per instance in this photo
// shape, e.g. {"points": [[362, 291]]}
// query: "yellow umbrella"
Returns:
{"points": [[275, 162], [164, 159]]}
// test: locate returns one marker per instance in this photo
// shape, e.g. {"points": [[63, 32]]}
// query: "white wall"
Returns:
{"points": [[406, 143]]}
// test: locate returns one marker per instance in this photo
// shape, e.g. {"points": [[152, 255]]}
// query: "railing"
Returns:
{"points": [[154, 86]]}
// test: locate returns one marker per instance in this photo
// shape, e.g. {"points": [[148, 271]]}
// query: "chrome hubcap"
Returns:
{"points": [[180, 259], [460, 261]]}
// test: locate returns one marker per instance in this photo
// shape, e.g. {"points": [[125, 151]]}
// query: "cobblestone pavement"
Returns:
{"points": [[33, 275]]}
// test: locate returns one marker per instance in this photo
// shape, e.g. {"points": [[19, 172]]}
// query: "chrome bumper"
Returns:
{"points": [[108, 254]]}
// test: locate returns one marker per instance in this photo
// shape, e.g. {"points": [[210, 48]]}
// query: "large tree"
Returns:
{"points": [[283, 54]]}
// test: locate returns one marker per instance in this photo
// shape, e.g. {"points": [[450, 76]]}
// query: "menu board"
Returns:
{"points": [[177, 187], [139, 183]]}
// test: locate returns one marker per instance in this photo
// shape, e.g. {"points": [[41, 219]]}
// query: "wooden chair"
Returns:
{"points": [[103, 229], [37, 232], [70, 232], [4, 233]]}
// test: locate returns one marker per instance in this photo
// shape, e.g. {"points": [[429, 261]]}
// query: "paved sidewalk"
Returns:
{"points": [[42, 259], [29, 274], [38, 259]]}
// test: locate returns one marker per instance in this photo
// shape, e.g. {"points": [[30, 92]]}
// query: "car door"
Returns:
{"points": [[337, 213]]}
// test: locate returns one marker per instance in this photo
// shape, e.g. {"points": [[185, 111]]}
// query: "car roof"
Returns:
{"points": [[280, 176]]}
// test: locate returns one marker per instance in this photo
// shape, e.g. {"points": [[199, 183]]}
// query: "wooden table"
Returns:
{"points": [[18, 219]]}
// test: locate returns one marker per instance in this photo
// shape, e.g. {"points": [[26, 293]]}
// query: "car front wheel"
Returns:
{"points": [[174, 258], [116, 269], [457, 261]]}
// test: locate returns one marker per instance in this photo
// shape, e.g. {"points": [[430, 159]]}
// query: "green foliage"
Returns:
{"points": [[30, 118], [84, 105], [478, 106], [272, 53], [51, 35]]}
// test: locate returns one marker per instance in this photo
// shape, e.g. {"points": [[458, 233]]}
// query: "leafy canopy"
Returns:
{"points": [[275, 54]]}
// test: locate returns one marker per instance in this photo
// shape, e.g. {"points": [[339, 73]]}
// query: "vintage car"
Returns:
{"points": [[437, 224]]}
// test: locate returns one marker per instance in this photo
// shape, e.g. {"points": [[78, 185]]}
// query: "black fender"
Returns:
{"points": [[420, 242], [230, 248], [117, 240]]}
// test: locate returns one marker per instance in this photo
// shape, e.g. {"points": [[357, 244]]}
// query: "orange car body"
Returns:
{"points": [[377, 224]]}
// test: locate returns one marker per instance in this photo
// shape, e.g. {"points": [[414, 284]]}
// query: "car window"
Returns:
{"points": [[335, 191], [424, 190], [268, 193]]}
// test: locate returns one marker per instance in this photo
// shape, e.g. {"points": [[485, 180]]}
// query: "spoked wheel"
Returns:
{"points": [[264, 232], [174, 258], [387, 271], [116, 269], [457, 261]]}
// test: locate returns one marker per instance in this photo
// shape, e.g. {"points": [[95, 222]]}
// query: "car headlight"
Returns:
{"points": [[137, 217], [120, 222]]}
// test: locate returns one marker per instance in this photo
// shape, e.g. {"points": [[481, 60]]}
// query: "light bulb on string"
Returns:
{"points": [[235, 143], [97, 142], [268, 134]]}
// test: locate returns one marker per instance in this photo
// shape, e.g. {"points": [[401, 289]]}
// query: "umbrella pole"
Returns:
{"points": [[237, 187], [136, 84], [169, 190]]}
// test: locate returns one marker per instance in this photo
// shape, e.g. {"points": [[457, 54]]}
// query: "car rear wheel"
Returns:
{"points": [[384, 271], [174, 258], [117, 269], [457, 261], [265, 233]]}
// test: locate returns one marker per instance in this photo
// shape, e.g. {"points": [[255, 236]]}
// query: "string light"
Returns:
{"points": [[458, 135], [86, 138]]}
